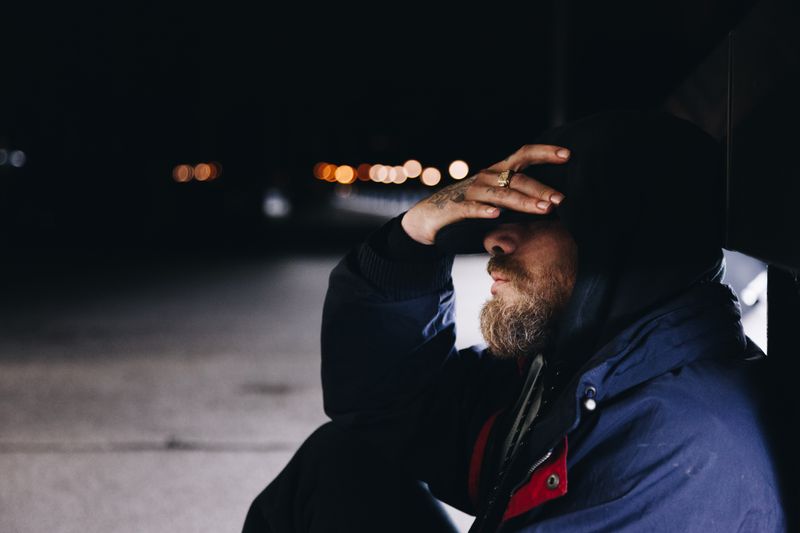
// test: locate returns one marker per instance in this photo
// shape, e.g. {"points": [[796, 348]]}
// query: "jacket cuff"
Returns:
{"points": [[400, 266]]}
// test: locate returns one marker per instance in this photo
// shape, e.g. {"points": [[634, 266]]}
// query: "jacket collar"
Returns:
{"points": [[702, 322]]}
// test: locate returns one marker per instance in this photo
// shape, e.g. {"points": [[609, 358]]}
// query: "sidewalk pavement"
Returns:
{"points": [[165, 402]]}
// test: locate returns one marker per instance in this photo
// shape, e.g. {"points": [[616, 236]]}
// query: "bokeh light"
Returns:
{"points": [[413, 168], [382, 174], [202, 171], [363, 171], [373, 172], [328, 172], [431, 176], [17, 158], [276, 204], [399, 175], [318, 169], [216, 170], [345, 174], [182, 173], [458, 169]]}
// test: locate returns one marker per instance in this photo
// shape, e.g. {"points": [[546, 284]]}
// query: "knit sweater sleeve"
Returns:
{"points": [[400, 266]]}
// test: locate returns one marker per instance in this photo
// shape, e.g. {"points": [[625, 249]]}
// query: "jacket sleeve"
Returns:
{"points": [[390, 370]]}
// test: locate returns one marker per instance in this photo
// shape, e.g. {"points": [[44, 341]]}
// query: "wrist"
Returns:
{"points": [[413, 229]]}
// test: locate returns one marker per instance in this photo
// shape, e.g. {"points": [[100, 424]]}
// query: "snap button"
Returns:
{"points": [[553, 481], [588, 398]]}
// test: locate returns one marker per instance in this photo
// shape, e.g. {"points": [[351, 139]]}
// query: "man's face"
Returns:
{"points": [[534, 267]]}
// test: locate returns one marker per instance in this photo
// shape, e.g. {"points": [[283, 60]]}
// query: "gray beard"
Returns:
{"points": [[518, 329]]}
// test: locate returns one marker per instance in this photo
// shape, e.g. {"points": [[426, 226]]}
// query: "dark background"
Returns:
{"points": [[105, 100]]}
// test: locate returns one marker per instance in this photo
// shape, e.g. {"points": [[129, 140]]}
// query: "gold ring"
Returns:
{"points": [[504, 179]]}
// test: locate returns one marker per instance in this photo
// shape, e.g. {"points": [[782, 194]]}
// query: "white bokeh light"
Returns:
{"points": [[458, 169], [431, 176], [413, 168], [17, 158], [383, 174], [276, 204], [399, 175]]}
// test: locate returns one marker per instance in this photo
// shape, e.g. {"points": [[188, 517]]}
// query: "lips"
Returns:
{"points": [[497, 276], [499, 281]]}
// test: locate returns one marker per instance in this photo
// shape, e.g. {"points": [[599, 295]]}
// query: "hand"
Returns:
{"points": [[480, 196]]}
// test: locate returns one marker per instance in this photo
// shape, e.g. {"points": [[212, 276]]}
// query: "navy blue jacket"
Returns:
{"points": [[658, 431]]}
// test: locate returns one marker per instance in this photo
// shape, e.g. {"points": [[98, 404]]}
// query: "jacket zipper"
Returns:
{"points": [[531, 384], [536, 465], [492, 499]]}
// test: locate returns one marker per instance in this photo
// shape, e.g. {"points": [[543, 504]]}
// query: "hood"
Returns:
{"points": [[644, 201]]}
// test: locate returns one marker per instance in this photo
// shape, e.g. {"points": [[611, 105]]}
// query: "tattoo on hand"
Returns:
{"points": [[455, 193]]}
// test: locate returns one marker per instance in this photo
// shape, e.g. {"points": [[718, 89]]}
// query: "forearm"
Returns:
{"points": [[387, 326]]}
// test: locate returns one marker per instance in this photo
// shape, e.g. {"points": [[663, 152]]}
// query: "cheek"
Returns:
{"points": [[540, 251], [534, 284], [551, 256]]}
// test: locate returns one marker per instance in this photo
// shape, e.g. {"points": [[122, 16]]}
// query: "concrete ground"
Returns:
{"points": [[163, 400]]}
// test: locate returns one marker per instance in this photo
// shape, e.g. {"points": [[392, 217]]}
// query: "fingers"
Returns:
{"points": [[525, 193], [472, 209], [532, 154], [511, 198], [532, 187]]}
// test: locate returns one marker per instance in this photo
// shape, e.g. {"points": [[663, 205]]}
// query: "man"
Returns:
{"points": [[616, 390]]}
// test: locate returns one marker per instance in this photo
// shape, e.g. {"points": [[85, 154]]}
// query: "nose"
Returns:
{"points": [[502, 240]]}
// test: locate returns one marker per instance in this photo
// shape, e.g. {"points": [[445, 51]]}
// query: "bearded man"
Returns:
{"points": [[616, 389]]}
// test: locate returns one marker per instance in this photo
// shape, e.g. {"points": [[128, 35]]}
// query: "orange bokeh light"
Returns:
{"points": [[328, 172], [345, 174], [202, 171], [318, 169], [363, 171], [216, 170], [182, 173]]}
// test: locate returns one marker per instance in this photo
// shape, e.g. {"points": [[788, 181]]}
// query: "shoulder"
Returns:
{"points": [[685, 446]]}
